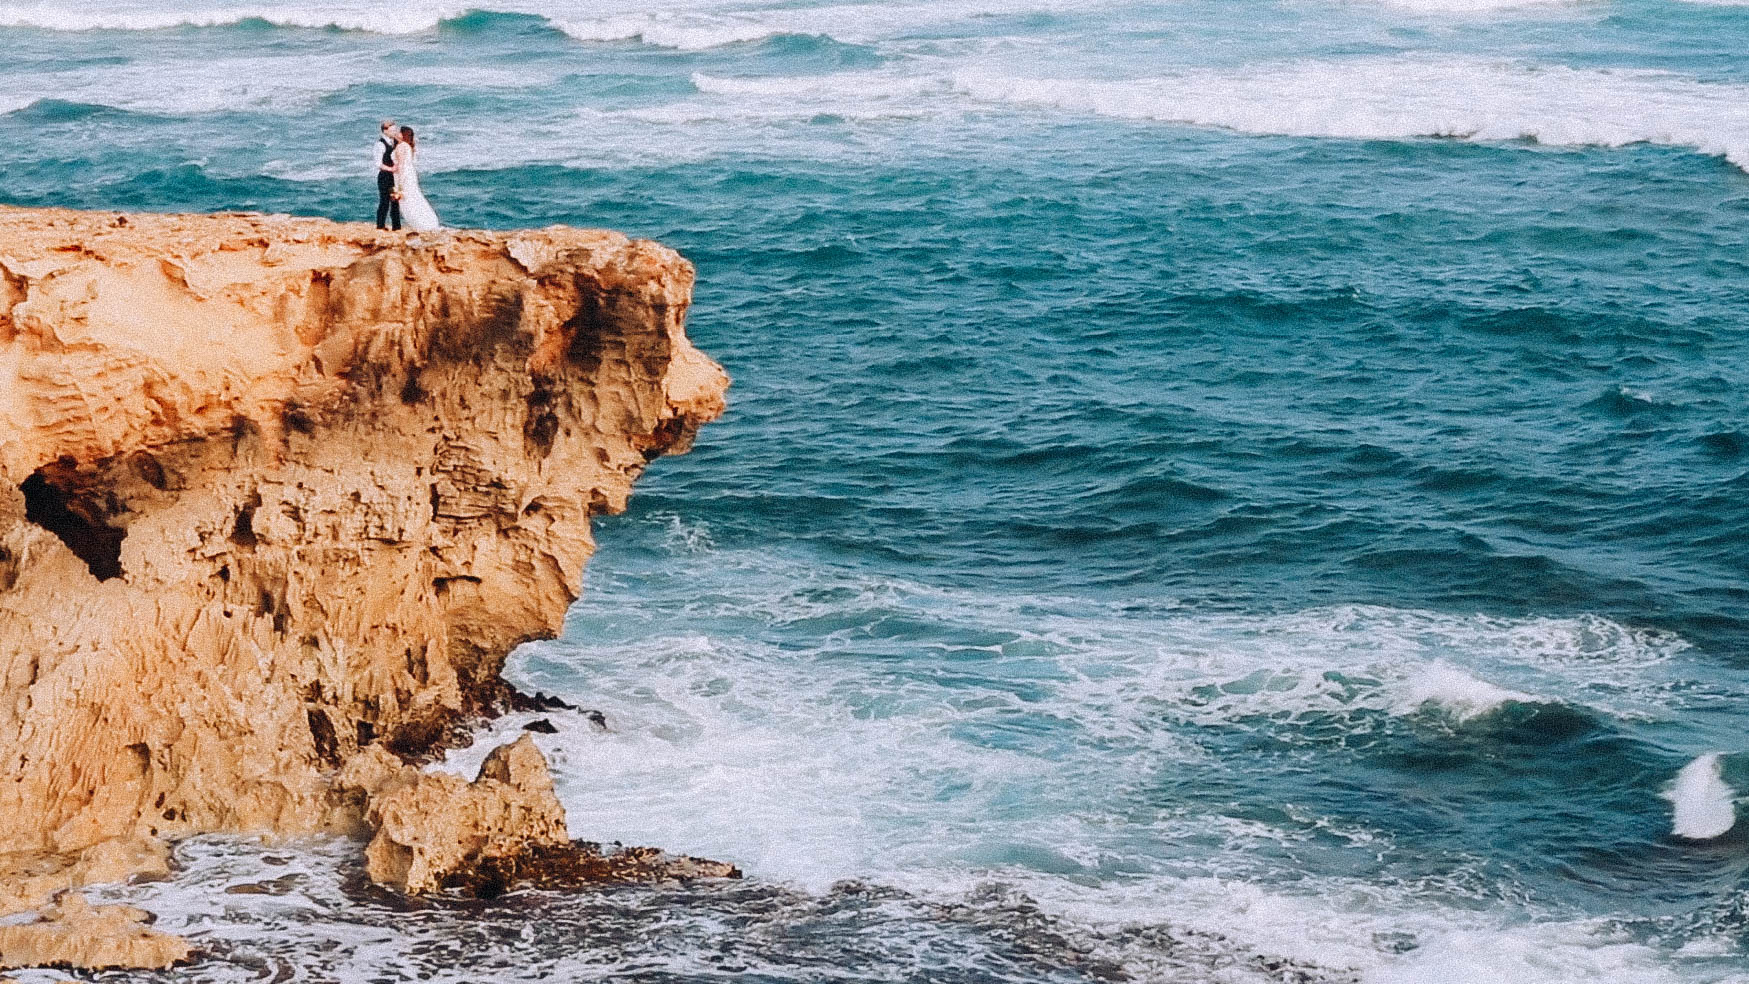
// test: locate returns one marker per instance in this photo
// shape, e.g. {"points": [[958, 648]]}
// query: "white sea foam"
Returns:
{"points": [[684, 26], [691, 30], [859, 23], [1487, 7], [1409, 96], [1703, 801], [11, 102], [1548, 952], [682, 31], [1354, 659], [1394, 97], [880, 94], [817, 767], [1370, 98], [258, 83], [809, 789], [1343, 930], [808, 767], [1455, 692], [382, 19], [274, 83]]}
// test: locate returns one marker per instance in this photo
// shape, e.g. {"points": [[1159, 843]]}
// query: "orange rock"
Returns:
{"points": [[432, 827], [29, 879], [437, 830], [275, 491], [74, 933]]}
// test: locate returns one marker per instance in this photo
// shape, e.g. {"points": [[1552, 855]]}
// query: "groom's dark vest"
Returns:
{"points": [[386, 179]]}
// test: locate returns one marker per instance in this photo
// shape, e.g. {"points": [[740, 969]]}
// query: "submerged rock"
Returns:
{"points": [[29, 879], [279, 495], [74, 933], [581, 863]]}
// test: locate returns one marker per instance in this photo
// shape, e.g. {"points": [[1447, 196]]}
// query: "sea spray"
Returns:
{"points": [[1702, 799], [1458, 694]]}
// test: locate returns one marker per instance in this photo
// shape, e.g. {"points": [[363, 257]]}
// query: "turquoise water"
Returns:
{"points": [[1243, 491]]}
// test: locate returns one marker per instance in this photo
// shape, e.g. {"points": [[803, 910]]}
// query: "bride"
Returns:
{"points": [[416, 212]]}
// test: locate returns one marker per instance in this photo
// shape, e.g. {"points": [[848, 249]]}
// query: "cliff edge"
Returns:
{"points": [[277, 497]]}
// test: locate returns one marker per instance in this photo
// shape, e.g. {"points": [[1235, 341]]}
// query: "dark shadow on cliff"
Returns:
{"points": [[79, 517]]}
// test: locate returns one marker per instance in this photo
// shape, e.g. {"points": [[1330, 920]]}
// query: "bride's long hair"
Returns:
{"points": [[407, 138]]}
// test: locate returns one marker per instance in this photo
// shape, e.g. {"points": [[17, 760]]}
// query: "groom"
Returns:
{"points": [[388, 209]]}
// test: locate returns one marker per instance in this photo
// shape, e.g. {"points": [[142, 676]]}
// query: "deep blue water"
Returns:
{"points": [[1211, 491]]}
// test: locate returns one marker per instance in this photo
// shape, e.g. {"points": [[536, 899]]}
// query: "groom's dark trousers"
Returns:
{"points": [[388, 210]]}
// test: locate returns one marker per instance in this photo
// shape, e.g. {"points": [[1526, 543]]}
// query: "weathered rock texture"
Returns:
{"points": [[70, 932], [74, 933], [277, 491], [507, 827]]}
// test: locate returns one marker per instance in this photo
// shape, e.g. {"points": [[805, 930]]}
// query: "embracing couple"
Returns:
{"points": [[398, 196]]}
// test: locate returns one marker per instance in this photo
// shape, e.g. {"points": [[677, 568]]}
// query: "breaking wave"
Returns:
{"points": [[1456, 693], [686, 30], [1405, 97], [1485, 7], [1703, 802], [401, 19]]}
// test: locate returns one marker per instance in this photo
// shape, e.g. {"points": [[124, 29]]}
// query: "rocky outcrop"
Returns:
{"points": [[66, 931], [277, 493], [29, 879], [433, 827], [507, 827], [74, 933]]}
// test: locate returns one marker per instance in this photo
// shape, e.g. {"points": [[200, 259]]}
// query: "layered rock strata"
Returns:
{"points": [[277, 497]]}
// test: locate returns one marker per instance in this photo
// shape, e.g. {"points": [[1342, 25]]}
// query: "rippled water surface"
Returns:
{"points": [[1242, 491]]}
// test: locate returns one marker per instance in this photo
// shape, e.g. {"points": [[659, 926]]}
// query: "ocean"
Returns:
{"points": [[1226, 491]]}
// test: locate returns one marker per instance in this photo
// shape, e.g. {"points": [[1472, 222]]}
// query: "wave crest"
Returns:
{"points": [[401, 20], [1406, 97], [1459, 694], [682, 32]]}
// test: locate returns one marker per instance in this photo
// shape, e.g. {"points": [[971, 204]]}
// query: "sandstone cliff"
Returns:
{"points": [[276, 494]]}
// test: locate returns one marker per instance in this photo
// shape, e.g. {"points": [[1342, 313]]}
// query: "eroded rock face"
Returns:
{"points": [[275, 492]]}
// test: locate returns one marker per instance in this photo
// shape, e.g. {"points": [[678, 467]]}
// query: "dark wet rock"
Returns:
{"points": [[516, 700], [580, 864]]}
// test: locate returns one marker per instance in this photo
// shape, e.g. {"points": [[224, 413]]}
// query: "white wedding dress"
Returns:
{"points": [[416, 213]]}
